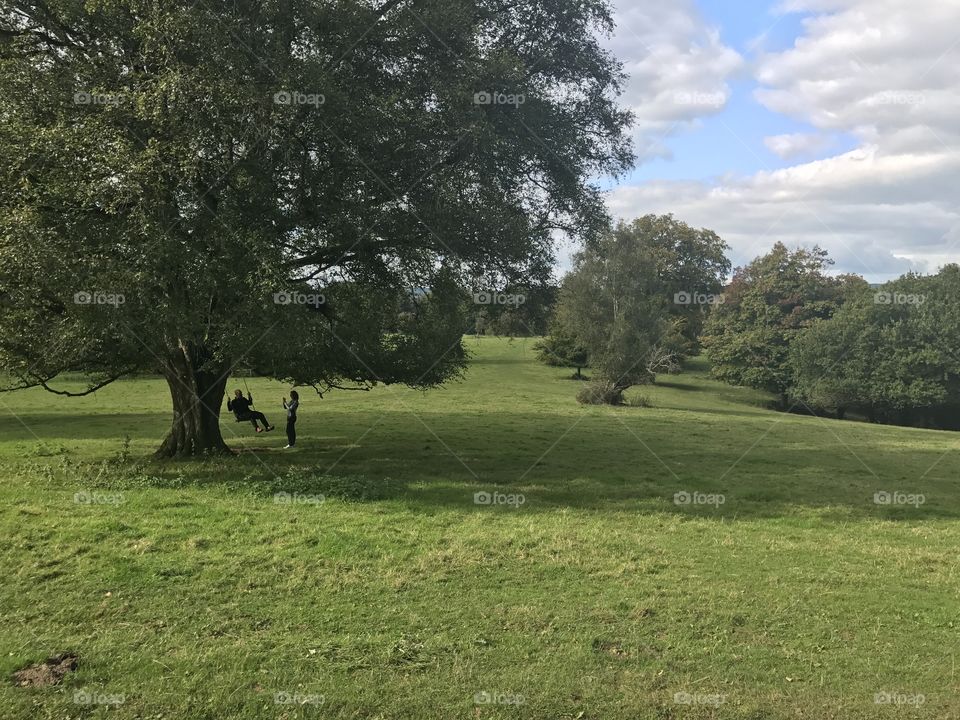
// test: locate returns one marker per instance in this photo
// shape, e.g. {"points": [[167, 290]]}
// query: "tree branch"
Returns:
{"points": [[41, 382]]}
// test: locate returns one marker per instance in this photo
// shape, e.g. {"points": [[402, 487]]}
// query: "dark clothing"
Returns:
{"points": [[253, 416], [241, 408], [291, 408]]}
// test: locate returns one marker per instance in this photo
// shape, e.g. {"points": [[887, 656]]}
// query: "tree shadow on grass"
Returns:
{"points": [[725, 393], [49, 426], [587, 459]]}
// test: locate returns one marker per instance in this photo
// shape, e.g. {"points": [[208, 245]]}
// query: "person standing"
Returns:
{"points": [[291, 408]]}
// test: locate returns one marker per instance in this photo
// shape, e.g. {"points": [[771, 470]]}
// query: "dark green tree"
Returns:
{"points": [[560, 348], [831, 360], [188, 186], [747, 337], [890, 354], [691, 264]]}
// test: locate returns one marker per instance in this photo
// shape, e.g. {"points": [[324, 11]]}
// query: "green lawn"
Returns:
{"points": [[190, 591]]}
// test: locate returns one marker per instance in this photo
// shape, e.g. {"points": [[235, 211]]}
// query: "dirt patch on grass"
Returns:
{"points": [[613, 649], [49, 672]]}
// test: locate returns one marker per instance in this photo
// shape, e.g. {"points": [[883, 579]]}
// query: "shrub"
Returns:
{"points": [[600, 392]]}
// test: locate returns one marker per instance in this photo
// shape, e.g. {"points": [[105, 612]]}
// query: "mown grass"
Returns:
{"points": [[197, 595]]}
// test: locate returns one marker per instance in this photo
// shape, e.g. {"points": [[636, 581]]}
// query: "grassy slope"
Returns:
{"points": [[598, 598]]}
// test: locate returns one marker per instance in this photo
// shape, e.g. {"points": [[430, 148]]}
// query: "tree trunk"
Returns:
{"points": [[197, 393], [616, 394]]}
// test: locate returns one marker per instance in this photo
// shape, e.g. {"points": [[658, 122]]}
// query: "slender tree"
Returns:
{"points": [[633, 306], [615, 306]]}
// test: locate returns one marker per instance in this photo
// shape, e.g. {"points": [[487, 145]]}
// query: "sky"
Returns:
{"points": [[810, 122]]}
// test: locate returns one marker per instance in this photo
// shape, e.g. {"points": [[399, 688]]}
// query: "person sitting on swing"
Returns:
{"points": [[240, 406]]}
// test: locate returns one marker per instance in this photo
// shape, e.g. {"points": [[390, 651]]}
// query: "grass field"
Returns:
{"points": [[191, 590]]}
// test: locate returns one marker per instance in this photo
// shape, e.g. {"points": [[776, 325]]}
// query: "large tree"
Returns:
{"points": [[187, 186], [692, 267], [769, 301]]}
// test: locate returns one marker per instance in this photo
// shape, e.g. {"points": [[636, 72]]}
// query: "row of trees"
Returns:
{"points": [[517, 311], [766, 305], [651, 293], [836, 345], [891, 354]]}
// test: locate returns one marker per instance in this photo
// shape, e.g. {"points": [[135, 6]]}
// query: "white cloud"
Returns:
{"points": [[884, 72], [796, 144], [678, 69]]}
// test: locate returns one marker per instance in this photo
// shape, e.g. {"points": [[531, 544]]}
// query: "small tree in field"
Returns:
{"points": [[614, 305], [622, 304], [187, 186], [560, 348]]}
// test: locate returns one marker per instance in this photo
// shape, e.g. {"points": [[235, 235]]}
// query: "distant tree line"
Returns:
{"points": [[652, 293], [766, 305], [516, 311], [891, 354], [837, 346]]}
